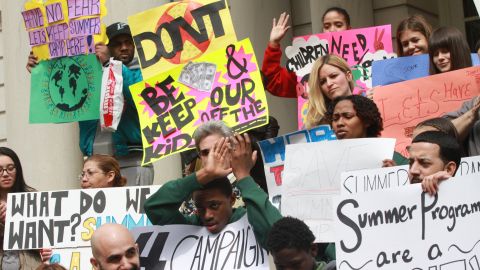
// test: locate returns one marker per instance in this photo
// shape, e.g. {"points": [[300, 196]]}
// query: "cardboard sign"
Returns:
{"points": [[173, 247], [405, 228], [359, 47], [73, 258], [273, 154], [388, 71], [312, 177], [469, 165], [374, 179], [68, 218], [225, 85], [66, 90], [64, 28], [404, 105], [176, 33]]}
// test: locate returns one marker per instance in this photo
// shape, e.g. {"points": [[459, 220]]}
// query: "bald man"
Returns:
{"points": [[113, 247]]}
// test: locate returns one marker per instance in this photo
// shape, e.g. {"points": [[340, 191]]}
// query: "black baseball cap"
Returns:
{"points": [[117, 29]]}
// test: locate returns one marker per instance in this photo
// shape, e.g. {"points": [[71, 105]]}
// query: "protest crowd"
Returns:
{"points": [[286, 190]]}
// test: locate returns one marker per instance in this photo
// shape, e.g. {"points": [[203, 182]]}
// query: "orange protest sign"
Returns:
{"points": [[404, 105]]}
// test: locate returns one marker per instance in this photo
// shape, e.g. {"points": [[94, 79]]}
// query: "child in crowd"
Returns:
{"points": [[412, 36], [448, 50]]}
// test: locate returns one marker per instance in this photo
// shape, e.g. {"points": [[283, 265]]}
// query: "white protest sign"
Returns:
{"points": [[73, 258], [68, 218], [174, 247], [312, 177], [404, 228], [469, 165], [273, 154], [373, 179]]}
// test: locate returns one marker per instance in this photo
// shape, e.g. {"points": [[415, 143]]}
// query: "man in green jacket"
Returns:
{"points": [[212, 192]]}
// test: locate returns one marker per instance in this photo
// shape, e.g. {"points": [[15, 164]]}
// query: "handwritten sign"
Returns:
{"points": [[64, 28], [312, 177], [388, 71], [66, 219], [176, 33], [193, 247], [66, 90], [73, 258], [273, 154], [359, 47], [224, 85], [374, 179], [404, 228], [469, 165], [404, 105]]}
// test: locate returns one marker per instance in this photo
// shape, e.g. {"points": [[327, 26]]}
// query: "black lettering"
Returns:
{"points": [[58, 196], [152, 261], [425, 209], [350, 223]]}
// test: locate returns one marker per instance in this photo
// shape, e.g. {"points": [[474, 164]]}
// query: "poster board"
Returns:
{"points": [[405, 228], [65, 89], [374, 179], [68, 218], [404, 105], [59, 28], [224, 85], [178, 32], [273, 156], [312, 177], [359, 47], [388, 71]]}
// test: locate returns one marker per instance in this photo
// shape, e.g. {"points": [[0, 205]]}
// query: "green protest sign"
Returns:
{"points": [[66, 89]]}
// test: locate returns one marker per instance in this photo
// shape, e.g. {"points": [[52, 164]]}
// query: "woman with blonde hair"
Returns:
{"points": [[331, 77], [101, 171]]}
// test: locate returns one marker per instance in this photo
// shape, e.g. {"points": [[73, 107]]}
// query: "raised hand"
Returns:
{"points": [[430, 183], [279, 29], [102, 52], [243, 159], [31, 62], [214, 167]]}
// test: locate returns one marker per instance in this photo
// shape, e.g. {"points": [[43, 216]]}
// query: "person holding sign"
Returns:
{"points": [[354, 117], [101, 171], [280, 81], [212, 192], [434, 156], [331, 77], [412, 36], [12, 181], [292, 247], [448, 50]]}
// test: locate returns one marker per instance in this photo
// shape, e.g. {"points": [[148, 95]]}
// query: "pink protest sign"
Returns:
{"points": [[79, 8], [85, 27], [224, 85], [57, 49], [54, 12], [37, 37], [359, 47], [403, 105], [33, 18], [57, 32]]}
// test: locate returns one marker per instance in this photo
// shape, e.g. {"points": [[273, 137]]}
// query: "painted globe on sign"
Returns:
{"points": [[191, 48], [67, 85]]}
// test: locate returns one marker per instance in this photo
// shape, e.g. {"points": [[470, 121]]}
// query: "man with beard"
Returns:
{"points": [[113, 247], [434, 156]]}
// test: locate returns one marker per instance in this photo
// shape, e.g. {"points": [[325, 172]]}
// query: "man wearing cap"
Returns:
{"points": [[126, 142]]}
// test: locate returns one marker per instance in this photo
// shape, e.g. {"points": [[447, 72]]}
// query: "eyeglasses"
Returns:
{"points": [[9, 169], [204, 152], [88, 174]]}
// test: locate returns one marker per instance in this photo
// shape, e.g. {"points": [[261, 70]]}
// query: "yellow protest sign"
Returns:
{"points": [[224, 85], [178, 32], [59, 28]]}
